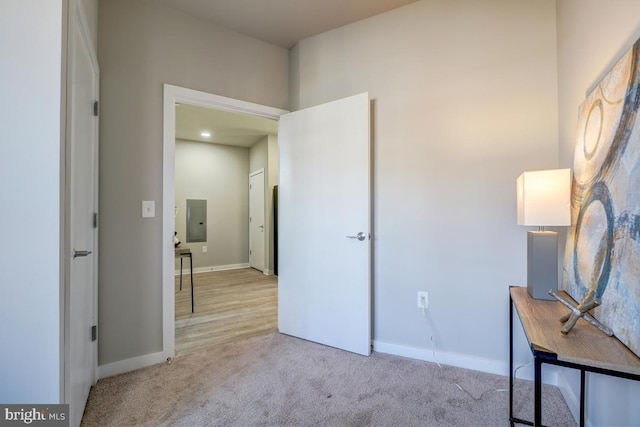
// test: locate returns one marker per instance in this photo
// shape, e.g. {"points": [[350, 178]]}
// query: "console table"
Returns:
{"points": [[584, 348], [182, 252]]}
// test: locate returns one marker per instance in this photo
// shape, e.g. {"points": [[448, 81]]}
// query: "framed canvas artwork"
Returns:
{"points": [[603, 244]]}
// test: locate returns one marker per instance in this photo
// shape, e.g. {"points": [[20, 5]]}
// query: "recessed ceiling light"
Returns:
{"points": [[205, 134]]}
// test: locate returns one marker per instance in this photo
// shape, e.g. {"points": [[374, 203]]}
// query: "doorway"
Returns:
{"points": [[175, 95]]}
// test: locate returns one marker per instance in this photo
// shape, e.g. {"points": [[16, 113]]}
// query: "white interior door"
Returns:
{"points": [[256, 220], [82, 137], [324, 273]]}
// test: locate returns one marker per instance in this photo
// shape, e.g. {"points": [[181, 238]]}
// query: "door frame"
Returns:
{"points": [[172, 95]]}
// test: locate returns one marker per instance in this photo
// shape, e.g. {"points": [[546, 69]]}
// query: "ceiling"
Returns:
{"points": [[279, 22], [283, 22], [226, 128]]}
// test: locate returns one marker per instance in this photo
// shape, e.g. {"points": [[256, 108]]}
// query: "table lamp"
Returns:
{"points": [[543, 200]]}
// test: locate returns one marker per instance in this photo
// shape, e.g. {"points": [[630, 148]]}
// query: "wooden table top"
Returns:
{"points": [[584, 344], [182, 250]]}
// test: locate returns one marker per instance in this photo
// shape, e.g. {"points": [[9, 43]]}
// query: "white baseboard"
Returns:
{"points": [[186, 271], [127, 365], [491, 366], [452, 359]]}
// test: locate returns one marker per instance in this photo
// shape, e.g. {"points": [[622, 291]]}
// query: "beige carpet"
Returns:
{"points": [[277, 380]]}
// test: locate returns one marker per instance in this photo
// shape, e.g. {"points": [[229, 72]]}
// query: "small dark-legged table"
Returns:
{"points": [[584, 348], [183, 252]]}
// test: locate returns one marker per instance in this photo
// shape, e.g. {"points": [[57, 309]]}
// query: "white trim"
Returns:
{"points": [[168, 220], [186, 271], [128, 365], [498, 367], [453, 359], [173, 94]]}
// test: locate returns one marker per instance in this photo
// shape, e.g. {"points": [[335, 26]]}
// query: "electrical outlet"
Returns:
{"points": [[423, 299], [204, 249]]}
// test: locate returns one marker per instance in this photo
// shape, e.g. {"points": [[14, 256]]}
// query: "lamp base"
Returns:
{"points": [[542, 263]]}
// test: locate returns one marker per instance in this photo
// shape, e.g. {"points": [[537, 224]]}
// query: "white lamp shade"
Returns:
{"points": [[544, 198]]}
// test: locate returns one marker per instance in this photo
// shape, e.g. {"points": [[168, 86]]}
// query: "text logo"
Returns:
{"points": [[34, 415]]}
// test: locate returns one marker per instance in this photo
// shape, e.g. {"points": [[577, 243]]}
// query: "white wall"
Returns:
{"points": [[464, 100], [592, 36], [220, 175], [141, 46], [30, 178]]}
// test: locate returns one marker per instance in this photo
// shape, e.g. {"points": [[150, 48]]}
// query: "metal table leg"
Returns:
{"points": [[180, 272], [510, 361], [191, 266], [537, 398], [582, 387]]}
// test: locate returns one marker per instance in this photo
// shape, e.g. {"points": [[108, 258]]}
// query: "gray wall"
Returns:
{"points": [[220, 175], [592, 36], [445, 166], [464, 100], [30, 186], [258, 155], [142, 46]]}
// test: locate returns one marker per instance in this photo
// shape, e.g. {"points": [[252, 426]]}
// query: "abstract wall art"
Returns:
{"points": [[603, 244]]}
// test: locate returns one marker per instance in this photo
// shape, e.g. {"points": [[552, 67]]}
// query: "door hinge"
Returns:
{"points": [[95, 220], [249, 251], [94, 332], [96, 108]]}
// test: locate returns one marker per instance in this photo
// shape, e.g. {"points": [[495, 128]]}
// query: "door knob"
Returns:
{"points": [[77, 254], [360, 236]]}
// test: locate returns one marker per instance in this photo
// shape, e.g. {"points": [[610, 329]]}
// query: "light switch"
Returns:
{"points": [[148, 209]]}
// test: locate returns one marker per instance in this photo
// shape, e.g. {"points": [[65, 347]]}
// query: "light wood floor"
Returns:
{"points": [[229, 305]]}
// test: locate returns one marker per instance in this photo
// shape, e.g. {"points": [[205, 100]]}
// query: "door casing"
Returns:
{"points": [[172, 95]]}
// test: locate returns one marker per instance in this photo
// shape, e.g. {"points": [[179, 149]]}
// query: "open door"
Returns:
{"points": [[324, 224], [256, 220], [82, 180]]}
